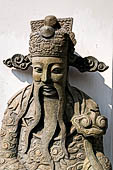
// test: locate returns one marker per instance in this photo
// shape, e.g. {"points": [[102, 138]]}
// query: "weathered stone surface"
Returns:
{"points": [[50, 125]]}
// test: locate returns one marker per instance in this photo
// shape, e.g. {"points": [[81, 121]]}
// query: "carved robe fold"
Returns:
{"points": [[20, 139]]}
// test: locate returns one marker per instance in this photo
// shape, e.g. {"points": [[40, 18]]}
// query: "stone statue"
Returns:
{"points": [[50, 125]]}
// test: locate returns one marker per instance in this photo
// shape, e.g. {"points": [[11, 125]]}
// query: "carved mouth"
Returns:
{"points": [[48, 90]]}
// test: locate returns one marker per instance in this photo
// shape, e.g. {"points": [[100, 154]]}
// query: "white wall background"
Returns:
{"points": [[93, 28]]}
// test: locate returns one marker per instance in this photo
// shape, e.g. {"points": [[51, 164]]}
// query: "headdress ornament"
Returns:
{"points": [[50, 37], [53, 37]]}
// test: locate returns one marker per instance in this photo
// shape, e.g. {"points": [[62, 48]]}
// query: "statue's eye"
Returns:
{"points": [[38, 69], [57, 71]]}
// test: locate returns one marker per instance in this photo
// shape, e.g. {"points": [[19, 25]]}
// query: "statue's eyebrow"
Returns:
{"points": [[55, 64], [37, 63]]}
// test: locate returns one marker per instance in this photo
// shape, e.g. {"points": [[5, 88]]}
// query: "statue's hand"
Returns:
{"points": [[90, 124], [11, 165]]}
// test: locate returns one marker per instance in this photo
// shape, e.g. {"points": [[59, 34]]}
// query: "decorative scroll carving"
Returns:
{"points": [[85, 125], [50, 125], [18, 61], [90, 63]]}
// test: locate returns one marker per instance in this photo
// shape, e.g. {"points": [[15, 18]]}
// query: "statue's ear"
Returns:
{"points": [[18, 61], [90, 64]]}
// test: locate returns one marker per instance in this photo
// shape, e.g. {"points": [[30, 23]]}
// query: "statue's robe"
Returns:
{"points": [[20, 140]]}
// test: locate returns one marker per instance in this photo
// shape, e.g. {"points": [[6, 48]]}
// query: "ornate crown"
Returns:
{"points": [[54, 37], [50, 37]]}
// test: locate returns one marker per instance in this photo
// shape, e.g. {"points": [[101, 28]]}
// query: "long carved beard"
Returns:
{"points": [[53, 114], [61, 107], [50, 124]]}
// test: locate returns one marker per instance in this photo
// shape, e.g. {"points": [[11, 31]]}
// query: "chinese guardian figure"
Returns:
{"points": [[50, 125]]}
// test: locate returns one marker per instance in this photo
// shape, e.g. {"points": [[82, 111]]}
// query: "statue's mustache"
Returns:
{"points": [[47, 89]]}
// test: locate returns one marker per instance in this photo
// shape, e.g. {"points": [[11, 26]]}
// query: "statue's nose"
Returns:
{"points": [[44, 77]]}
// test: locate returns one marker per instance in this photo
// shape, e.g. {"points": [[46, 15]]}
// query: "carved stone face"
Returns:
{"points": [[49, 71]]}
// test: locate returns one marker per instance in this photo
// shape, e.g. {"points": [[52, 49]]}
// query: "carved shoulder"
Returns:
{"points": [[85, 101], [15, 100]]}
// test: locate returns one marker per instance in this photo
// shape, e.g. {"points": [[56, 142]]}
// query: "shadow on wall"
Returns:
{"points": [[23, 76], [93, 85]]}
